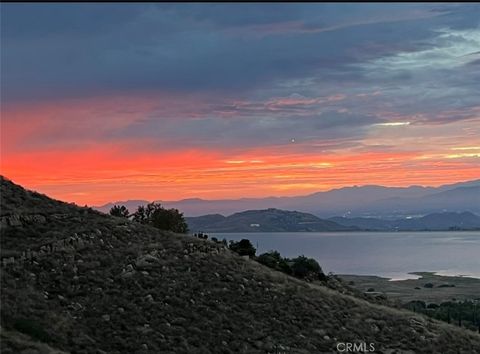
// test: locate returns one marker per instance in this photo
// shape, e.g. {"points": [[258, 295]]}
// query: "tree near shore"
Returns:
{"points": [[274, 260], [243, 247], [303, 267]]}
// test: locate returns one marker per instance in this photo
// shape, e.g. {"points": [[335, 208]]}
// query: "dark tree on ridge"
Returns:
{"points": [[119, 210], [164, 219]]}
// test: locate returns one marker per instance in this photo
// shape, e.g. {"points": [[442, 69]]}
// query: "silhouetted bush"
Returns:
{"points": [[120, 211], [201, 235], [274, 260], [243, 247], [300, 267], [416, 305], [164, 219], [303, 267]]}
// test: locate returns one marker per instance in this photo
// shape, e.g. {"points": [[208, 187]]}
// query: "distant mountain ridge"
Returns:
{"points": [[275, 220], [369, 200], [268, 220], [430, 222]]}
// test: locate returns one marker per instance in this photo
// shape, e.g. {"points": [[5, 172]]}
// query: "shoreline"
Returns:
{"points": [[417, 276], [328, 231], [429, 287]]}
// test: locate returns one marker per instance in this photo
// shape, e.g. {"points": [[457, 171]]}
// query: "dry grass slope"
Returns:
{"points": [[84, 282]]}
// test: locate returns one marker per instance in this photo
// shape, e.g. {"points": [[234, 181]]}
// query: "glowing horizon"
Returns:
{"points": [[174, 103]]}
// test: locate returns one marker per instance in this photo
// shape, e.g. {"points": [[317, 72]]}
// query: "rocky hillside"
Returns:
{"points": [[267, 220], [75, 280]]}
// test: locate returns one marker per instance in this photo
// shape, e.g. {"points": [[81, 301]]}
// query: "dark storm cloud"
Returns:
{"points": [[54, 51], [233, 75], [249, 128]]}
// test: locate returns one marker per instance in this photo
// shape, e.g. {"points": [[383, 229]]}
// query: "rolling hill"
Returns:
{"points": [[79, 281], [268, 220], [430, 222]]}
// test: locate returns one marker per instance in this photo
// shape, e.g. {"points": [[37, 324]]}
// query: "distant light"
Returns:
{"points": [[459, 156], [243, 161], [292, 140], [235, 161], [466, 148], [393, 124], [321, 164]]}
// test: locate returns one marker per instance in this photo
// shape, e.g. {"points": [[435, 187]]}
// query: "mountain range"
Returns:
{"points": [[268, 220], [275, 220], [430, 222], [357, 201]]}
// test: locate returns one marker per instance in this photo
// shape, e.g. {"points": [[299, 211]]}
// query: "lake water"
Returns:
{"points": [[387, 254]]}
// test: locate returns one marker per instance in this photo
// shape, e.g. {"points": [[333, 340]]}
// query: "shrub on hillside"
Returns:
{"points": [[416, 305], [164, 219], [120, 211], [300, 267], [303, 267], [243, 247], [274, 260]]}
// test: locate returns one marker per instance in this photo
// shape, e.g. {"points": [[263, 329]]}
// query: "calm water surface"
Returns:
{"points": [[387, 254]]}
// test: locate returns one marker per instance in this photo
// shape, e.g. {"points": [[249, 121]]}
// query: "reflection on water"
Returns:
{"points": [[387, 254], [401, 276], [453, 273]]}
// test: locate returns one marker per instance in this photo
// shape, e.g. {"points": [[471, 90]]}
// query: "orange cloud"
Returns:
{"points": [[110, 172], [93, 170]]}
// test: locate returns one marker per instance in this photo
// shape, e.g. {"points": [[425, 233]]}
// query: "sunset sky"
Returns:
{"points": [[107, 102]]}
